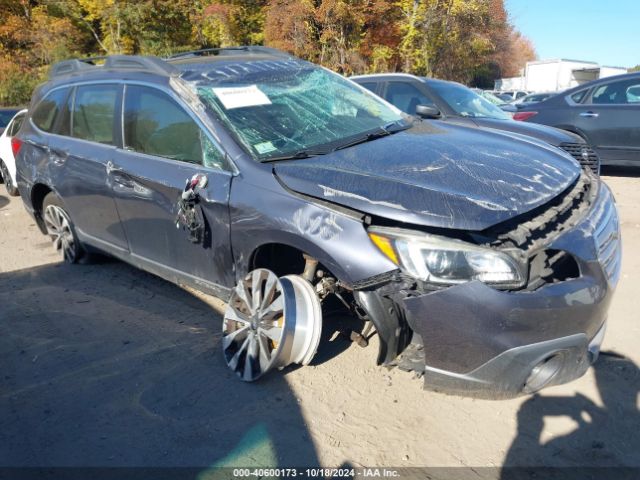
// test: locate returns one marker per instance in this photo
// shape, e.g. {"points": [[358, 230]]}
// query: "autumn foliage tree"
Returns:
{"points": [[470, 41]]}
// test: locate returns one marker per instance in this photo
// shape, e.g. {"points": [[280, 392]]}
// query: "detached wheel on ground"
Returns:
{"points": [[270, 322], [60, 228], [8, 182]]}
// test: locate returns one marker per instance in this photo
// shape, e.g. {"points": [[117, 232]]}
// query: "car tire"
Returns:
{"points": [[12, 190], [61, 229]]}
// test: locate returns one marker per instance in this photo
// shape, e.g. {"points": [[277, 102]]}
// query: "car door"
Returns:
{"points": [[84, 143], [164, 147], [610, 118]]}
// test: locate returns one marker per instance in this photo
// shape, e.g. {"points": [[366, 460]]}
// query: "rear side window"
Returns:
{"points": [[633, 93], [406, 97], [64, 124], [94, 112], [15, 126], [156, 125], [47, 110]]}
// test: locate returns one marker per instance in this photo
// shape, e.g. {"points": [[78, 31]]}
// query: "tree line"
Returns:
{"points": [[471, 41]]}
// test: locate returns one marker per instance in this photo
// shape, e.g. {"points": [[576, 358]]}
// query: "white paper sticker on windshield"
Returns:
{"points": [[264, 147], [236, 97]]}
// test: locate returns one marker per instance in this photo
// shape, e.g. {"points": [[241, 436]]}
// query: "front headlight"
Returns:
{"points": [[447, 261]]}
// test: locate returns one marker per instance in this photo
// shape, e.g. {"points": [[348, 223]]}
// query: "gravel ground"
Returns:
{"points": [[105, 365]]}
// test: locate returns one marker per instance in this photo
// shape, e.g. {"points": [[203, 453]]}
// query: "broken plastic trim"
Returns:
{"points": [[190, 216]]}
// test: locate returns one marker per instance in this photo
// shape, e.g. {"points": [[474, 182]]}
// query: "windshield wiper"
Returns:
{"points": [[381, 131], [300, 154]]}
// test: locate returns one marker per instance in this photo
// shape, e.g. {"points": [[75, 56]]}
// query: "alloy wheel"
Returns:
{"points": [[59, 229], [269, 323]]}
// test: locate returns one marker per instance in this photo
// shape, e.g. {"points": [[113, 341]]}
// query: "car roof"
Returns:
{"points": [[600, 81], [190, 66], [559, 97], [231, 67]]}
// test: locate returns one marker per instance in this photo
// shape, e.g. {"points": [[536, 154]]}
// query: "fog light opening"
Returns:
{"points": [[542, 374]]}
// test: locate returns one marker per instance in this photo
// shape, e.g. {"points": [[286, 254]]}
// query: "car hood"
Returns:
{"points": [[436, 175], [551, 135]]}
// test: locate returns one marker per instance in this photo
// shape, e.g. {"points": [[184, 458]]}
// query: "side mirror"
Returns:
{"points": [[427, 111]]}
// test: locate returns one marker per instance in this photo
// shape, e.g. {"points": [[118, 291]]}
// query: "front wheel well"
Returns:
{"points": [[281, 259]]}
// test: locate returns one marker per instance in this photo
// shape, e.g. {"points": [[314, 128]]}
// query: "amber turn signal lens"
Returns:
{"points": [[385, 246]]}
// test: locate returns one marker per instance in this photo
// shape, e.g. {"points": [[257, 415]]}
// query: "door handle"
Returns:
{"points": [[120, 177], [590, 114], [112, 168]]}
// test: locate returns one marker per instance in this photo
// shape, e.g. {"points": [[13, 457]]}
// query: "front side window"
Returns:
{"points": [[406, 97], [371, 86], [279, 112], [617, 93], [466, 103], [47, 110], [155, 124], [94, 113]]}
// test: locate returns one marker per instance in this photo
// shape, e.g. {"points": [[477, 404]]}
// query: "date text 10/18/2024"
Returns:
{"points": [[316, 473]]}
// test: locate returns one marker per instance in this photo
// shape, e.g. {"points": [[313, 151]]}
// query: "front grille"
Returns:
{"points": [[584, 154], [607, 236], [534, 229]]}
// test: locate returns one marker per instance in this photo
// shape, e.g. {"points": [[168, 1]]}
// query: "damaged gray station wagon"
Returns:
{"points": [[484, 261]]}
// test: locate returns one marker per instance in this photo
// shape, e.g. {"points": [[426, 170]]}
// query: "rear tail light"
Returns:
{"points": [[16, 145], [522, 116]]}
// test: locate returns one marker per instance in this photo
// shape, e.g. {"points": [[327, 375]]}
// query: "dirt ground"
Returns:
{"points": [[105, 365]]}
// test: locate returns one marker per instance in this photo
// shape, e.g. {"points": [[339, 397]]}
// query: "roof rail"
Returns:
{"points": [[140, 62], [115, 62], [231, 51], [69, 66]]}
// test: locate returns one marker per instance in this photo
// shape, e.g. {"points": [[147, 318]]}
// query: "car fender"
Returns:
{"points": [[334, 235]]}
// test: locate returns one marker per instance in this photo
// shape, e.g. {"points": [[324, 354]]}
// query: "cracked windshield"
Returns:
{"points": [[296, 110]]}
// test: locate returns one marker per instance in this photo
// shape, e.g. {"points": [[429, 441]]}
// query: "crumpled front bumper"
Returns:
{"points": [[482, 342]]}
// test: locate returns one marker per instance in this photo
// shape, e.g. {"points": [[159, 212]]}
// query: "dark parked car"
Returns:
{"points": [[505, 96], [605, 112], [485, 262], [454, 103], [6, 114], [532, 99]]}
